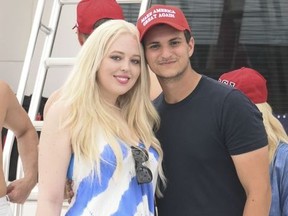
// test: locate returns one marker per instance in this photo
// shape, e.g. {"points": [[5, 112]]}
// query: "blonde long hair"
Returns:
{"points": [[274, 129], [89, 117]]}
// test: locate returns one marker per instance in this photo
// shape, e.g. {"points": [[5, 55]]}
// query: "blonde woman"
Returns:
{"points": [[90, 15], [253, 85], [100, 131]]}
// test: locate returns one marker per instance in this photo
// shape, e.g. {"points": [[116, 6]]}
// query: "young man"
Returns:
{"points": [[213, 138], [15, 118]]}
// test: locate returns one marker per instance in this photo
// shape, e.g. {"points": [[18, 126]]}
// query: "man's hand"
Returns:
{"points": [[19, 190], [68, 193]]}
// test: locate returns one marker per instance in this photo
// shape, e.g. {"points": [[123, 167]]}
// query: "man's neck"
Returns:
{"points": [[177, 90]]}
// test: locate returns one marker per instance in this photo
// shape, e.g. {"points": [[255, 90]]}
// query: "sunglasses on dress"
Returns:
{"points": [[143, 173]]}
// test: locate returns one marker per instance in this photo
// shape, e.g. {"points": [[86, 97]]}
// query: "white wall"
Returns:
{"points": [[16, 18], [15, 22]]}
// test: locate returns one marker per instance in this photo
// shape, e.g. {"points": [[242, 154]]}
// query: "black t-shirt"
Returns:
{"points": [[198, 136]]}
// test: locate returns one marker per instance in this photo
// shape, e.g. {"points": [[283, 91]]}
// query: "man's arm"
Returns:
{"points": [[17, 120], [253, 171]]}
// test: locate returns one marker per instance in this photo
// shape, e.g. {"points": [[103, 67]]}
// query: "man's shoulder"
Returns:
{"points": [[3, 84], [4, 88], [212, 85], [217, 91], [8, 97]]}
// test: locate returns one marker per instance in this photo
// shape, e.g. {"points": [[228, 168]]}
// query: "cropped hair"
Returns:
{"points": [[90, 118], [274, 129], [187, 35], [96, 25]]}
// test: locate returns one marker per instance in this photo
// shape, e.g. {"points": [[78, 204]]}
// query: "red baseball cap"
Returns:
{"points": [[162, 14], [249, 81], [90, 11]]}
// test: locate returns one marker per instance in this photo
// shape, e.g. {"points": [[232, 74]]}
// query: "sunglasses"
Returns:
{"points": [[143, 173]]}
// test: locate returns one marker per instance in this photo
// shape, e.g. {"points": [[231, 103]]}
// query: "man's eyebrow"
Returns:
{"points": [[152, 42], [156, 42], [176, 38]]}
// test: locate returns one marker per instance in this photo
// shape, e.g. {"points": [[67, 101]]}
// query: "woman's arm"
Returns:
{"points": [[54, 156]]}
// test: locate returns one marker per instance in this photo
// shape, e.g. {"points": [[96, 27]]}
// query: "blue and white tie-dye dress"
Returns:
{"points": [[113, 195]]}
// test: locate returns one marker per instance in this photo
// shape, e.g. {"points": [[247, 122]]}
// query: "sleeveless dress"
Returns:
{"points": [[112, 194]]}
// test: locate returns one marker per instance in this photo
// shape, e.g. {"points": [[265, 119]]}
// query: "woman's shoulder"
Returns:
{"points": [[56, 114], [282, 149], [281, 154], [51, 100]]}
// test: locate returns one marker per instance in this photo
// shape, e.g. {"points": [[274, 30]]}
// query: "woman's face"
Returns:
{"points": [[120, 68]]}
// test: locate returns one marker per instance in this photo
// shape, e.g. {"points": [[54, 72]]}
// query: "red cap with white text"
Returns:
{"points": [[162, 14], [249, 81]]}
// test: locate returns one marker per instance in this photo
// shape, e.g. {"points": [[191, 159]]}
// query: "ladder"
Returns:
{"points": [[46, 62]]}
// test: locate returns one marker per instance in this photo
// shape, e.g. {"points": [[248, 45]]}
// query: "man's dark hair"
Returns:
{"points": [[96, 25], [187, 35], [100, 22]]}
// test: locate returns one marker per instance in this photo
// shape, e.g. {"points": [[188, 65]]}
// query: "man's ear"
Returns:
{"points": [[191, 46], [81, 38]]}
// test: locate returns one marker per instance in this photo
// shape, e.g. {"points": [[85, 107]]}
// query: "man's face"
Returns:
{"points": [[167, 51]]}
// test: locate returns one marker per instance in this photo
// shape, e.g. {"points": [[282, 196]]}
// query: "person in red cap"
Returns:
{"points": [[213, 138], [249, 81], [92, 13], [15, 118], [253, 85]]}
